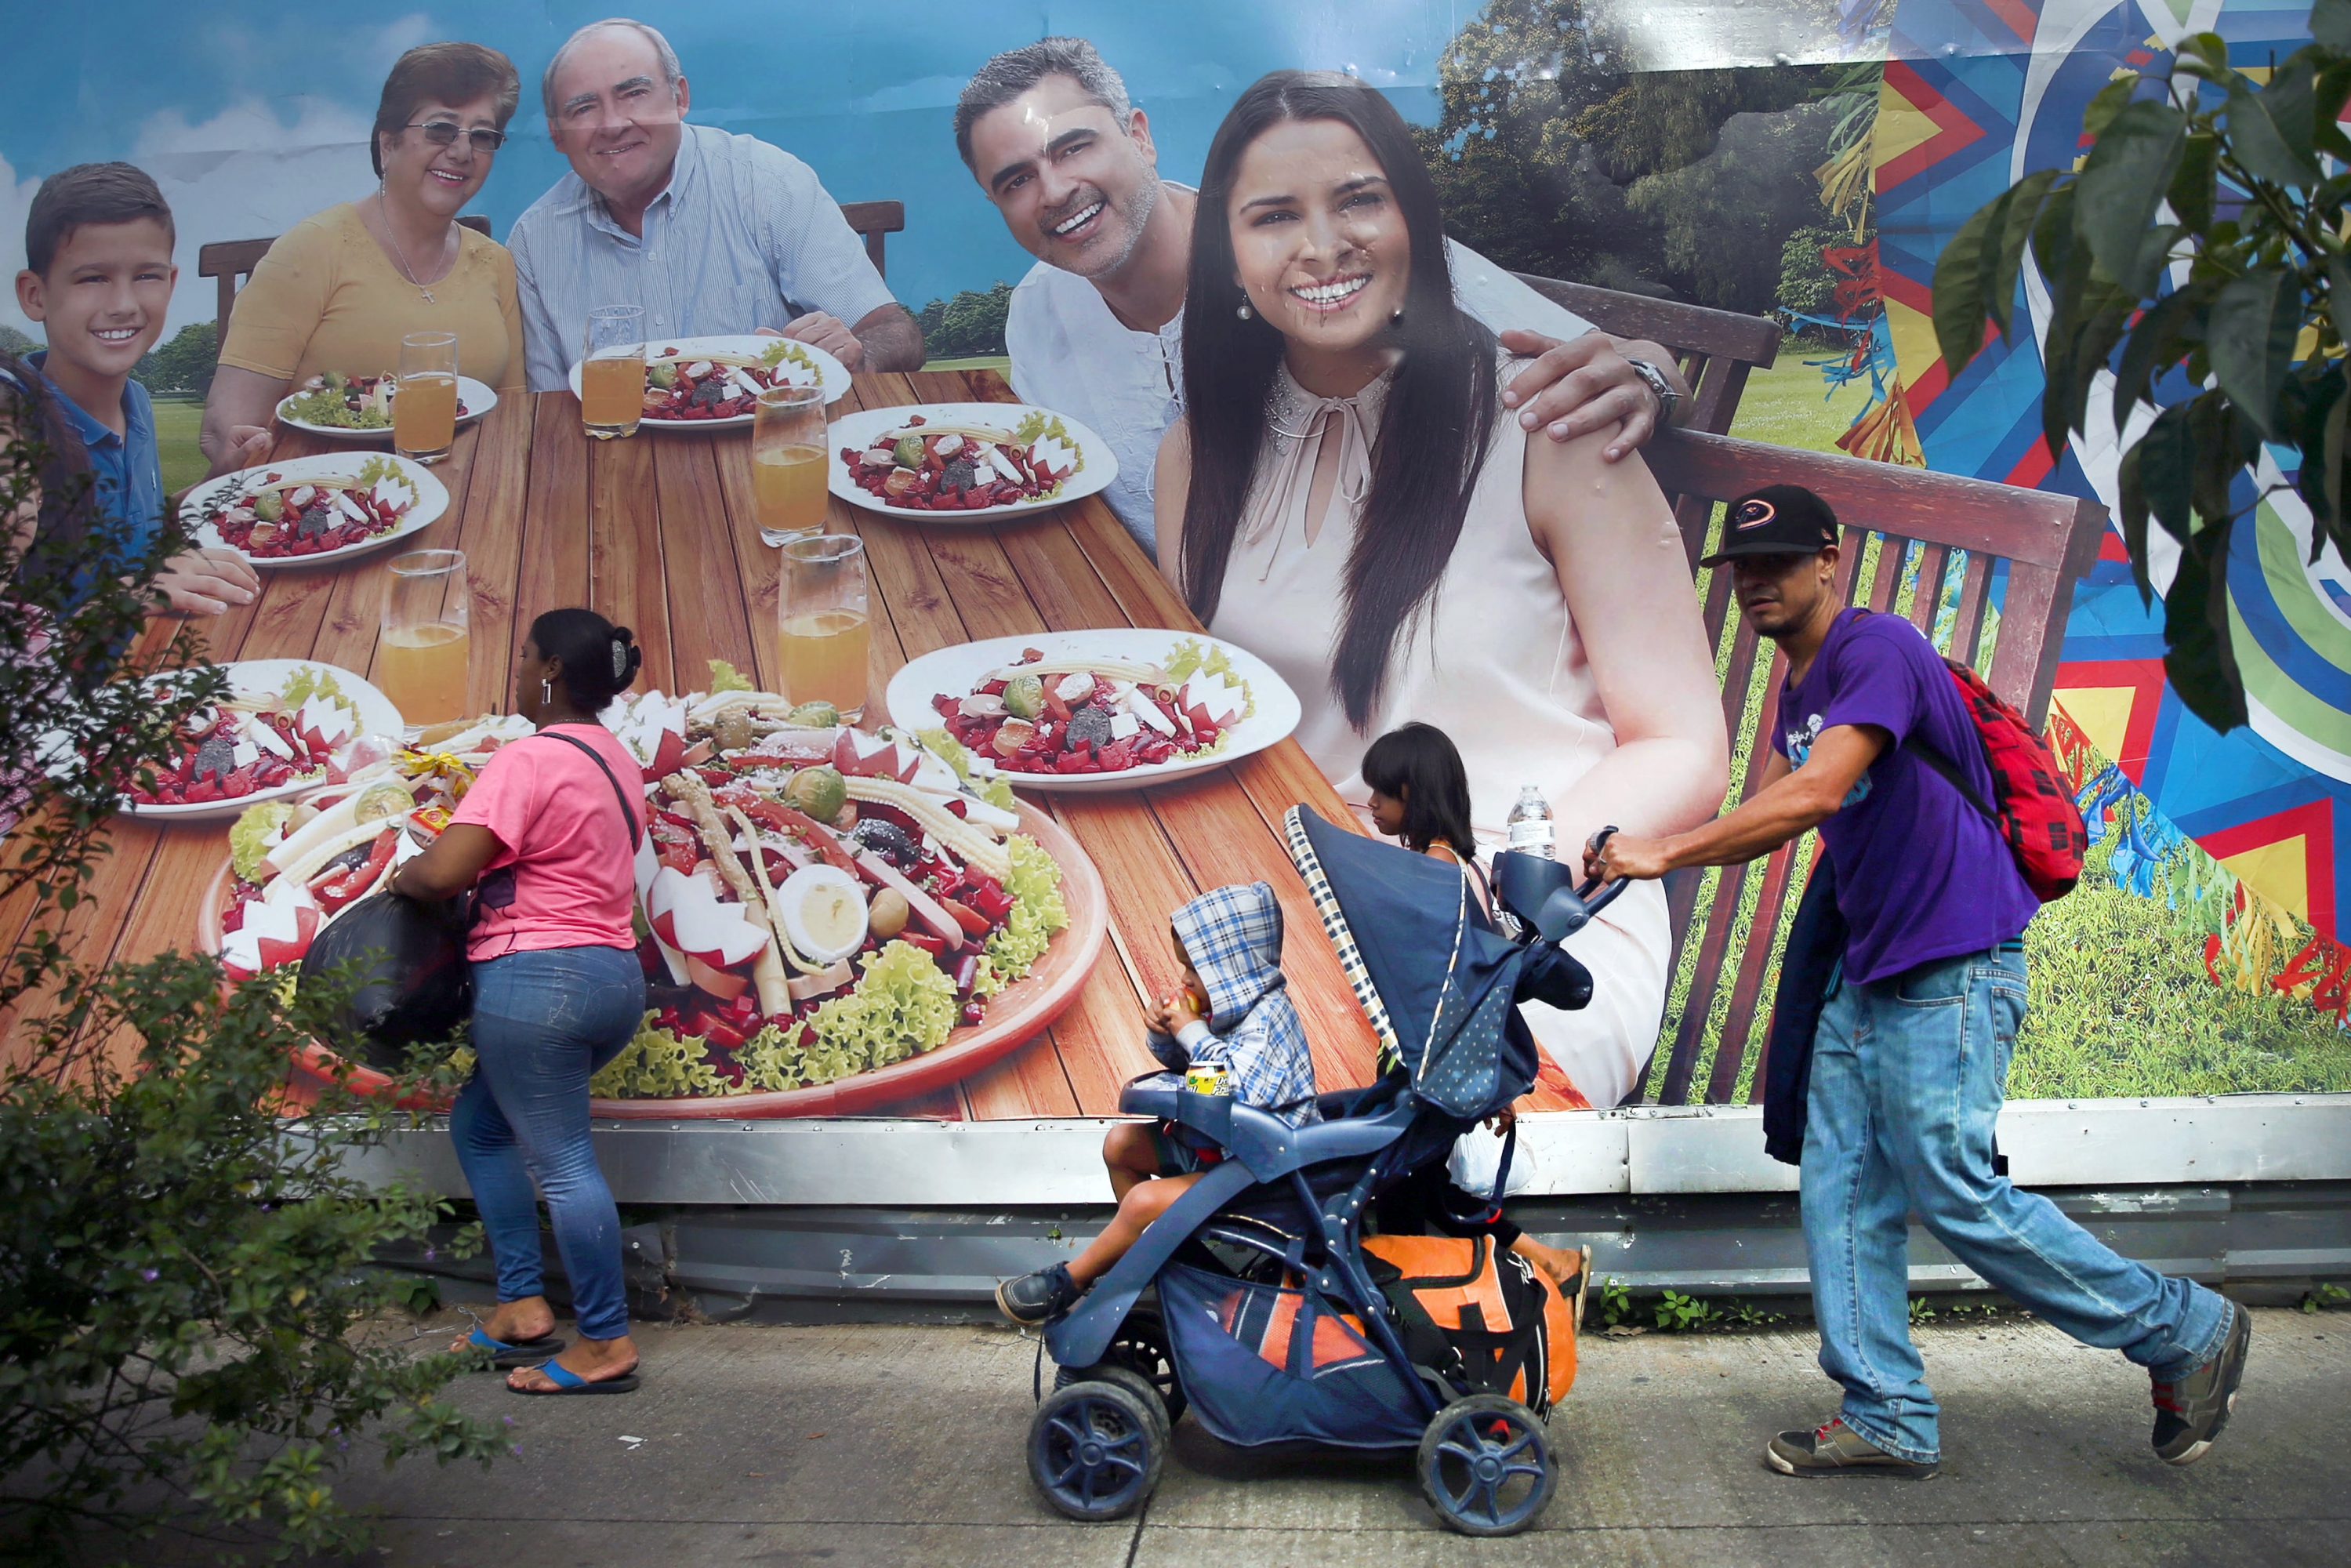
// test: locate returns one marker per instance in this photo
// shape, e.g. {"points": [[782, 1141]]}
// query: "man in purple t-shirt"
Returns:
{"points": [[1910, 1057]]}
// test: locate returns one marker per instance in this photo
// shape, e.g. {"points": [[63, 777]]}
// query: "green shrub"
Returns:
{"points": [[182, 1269]]}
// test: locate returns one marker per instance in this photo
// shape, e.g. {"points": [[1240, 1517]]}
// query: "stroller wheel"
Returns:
{"points": [[1095, 1448], [1140, 1346], [1126, 1377], [1486, 1466]]}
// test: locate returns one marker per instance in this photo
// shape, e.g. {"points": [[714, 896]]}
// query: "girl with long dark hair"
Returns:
{"points": [[546, 838], [1346, 498]]}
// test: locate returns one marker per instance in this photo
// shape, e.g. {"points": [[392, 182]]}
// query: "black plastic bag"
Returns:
{"points": [[411, 982]]}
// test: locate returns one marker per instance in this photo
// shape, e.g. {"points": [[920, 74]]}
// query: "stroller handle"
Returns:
{"points": [[1543, 895], [1598, 893]]}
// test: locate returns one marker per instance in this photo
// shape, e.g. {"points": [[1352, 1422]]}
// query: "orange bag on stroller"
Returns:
{"points": [[1479, 1315]]}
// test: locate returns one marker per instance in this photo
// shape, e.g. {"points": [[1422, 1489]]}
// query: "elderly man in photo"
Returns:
{"points": [[1096, 328], [712, 234]]}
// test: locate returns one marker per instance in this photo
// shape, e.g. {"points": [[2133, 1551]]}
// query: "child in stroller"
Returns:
{"points": [[1277, 1320], [1231, 1015]]}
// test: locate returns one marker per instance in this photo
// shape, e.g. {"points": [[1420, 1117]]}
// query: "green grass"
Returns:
{"points": [[2120, 1004], [177, 417], [1785, 405]]}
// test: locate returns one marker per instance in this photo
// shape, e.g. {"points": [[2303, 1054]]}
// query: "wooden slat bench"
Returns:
{"points": [[229, 260], [1716, 348], [1937, 548]]}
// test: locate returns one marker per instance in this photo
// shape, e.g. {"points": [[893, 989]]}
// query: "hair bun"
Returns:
{"points": [[627, 657]]}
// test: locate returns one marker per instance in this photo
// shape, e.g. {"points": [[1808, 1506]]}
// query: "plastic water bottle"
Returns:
{"points": [[1529, 826]]}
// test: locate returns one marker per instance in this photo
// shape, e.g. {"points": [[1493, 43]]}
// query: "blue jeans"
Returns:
{"points": [[1907, 1076], [543, 1023]]}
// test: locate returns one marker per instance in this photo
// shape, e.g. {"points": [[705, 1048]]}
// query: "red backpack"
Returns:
{"points": [[2035, 810]]}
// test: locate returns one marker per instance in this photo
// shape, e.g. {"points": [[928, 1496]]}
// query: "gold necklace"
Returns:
{"points": [[406, 270]]}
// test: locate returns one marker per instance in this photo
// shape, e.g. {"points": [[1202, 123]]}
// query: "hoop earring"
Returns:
{"points": [[546, 694], [1244, 312]]}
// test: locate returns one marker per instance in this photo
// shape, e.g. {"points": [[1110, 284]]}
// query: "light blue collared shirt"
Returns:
{"points": [[745, 237]]}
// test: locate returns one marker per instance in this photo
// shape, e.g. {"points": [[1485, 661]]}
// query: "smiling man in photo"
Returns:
{"points": [[711, 233], [1096, 330]]}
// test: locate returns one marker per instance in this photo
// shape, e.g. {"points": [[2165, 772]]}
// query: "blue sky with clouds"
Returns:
{"points": [[256, 116]]}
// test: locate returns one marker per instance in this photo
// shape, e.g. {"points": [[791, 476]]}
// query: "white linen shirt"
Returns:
{"points": [[744, 237], [1071, 355]]}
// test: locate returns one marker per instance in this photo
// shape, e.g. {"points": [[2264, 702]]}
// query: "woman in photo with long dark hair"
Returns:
{"points": [[1347, 498]]}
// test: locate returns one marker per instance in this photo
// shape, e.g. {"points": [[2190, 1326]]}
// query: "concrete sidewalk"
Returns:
{"points": [[855, 1444]]}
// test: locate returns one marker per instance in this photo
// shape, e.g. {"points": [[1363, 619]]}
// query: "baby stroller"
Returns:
{"points": [[1271, 1322]]}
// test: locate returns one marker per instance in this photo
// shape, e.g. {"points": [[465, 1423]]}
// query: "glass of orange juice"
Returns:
{"points": [[421, 657], [612, 371], [824, 635], [788, 458], [425, 399]]}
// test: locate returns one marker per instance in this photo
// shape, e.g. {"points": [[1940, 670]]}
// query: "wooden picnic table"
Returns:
{"points": [[655, 532]]}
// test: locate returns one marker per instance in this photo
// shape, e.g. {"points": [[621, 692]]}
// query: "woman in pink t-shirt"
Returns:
{"points": [[546, 838]]}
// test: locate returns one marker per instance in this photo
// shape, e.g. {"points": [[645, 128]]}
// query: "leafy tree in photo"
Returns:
{"points": [[970, 326], [184, 364], [1552, 157], [12, 342]]}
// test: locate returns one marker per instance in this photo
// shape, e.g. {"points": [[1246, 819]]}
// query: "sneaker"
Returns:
{"points": [[2189, 1414], [1033, 1298], [1836, 1449]]}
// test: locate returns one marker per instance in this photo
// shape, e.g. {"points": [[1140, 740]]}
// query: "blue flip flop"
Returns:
{"points": [[506, 1356], [567, 1380]]}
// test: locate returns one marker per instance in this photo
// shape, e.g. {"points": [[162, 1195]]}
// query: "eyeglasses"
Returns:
{"points": [[445, 133]]}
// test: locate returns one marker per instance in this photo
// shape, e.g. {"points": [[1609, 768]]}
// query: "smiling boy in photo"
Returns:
{"points": [[99, 277]]}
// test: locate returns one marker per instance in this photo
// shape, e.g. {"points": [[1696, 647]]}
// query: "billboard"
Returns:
{"points": [[1801, 160]]}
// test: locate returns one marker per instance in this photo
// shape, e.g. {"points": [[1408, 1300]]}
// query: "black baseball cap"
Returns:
{"points": [[1778, 519]]}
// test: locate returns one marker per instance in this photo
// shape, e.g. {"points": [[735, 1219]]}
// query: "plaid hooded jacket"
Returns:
{"points": [[1233, 937]]}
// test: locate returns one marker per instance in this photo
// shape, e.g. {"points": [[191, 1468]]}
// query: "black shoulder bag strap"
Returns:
{"points": [[1926, 753], [628, 816], [496, 889]]}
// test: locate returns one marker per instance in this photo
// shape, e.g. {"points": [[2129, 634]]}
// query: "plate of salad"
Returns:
{"points": [[710, 383], [305, 509], [830, 920], [1099, 710], [359, 408], [286, 726], [966, 461]]}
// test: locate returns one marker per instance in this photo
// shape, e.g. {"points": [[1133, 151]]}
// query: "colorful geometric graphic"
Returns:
{"points": [[1985, 91]]}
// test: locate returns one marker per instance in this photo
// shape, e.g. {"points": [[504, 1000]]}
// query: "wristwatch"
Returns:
{"points": [[1655, 380]]}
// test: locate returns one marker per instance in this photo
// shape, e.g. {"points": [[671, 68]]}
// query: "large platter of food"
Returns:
{"points": [[829, 920], [710, 383], [965, 462], [286, 726], [304, 511], [359, 408], [1100, 710]]}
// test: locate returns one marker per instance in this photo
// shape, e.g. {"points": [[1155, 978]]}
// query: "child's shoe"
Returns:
{"points": [[1033, 1298]]}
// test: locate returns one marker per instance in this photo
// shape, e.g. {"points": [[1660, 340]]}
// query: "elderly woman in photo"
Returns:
{"points": [[339, 289], [1348, 498]]}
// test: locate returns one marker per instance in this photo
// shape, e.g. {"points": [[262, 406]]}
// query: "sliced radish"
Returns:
{"points": [[719, 983]]}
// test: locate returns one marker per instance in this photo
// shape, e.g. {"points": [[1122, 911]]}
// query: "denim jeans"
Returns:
{"points": [[1908, 1077], [543, 1023]]}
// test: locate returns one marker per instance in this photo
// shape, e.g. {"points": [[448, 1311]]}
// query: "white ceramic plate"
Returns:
{"points": [[830, 373], [956, 670], [477, 399], [432, 500], [266, 677], [855, 432]]}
